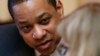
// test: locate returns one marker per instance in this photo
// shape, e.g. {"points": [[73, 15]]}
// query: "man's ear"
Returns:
{"points": [[59, 8]]}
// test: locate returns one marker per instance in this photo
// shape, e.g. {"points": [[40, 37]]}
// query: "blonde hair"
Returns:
{"points": [[82, 30]]}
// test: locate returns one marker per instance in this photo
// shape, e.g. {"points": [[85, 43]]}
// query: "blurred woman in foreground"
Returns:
{"points": [[82, 29]]}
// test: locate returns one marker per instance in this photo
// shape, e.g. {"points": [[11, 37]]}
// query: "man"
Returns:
{"points": [[36, 21]]}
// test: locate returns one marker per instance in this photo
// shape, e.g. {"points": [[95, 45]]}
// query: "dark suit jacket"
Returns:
{"points": [[11, 43]]}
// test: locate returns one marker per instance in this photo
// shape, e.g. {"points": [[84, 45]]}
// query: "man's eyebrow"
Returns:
{"points": [[22, 22], [42, 14]]}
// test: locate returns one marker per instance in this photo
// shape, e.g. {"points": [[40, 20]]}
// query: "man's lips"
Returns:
{"points": [[44, 45]]}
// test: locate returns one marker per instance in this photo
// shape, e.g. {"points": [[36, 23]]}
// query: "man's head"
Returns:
{"points": [[37, 21]]}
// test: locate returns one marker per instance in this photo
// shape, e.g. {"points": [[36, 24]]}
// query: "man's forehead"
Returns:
{"points": [[29, 9], [31, 3], [30, 6]]}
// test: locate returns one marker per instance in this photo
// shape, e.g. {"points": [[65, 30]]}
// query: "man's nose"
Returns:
{"points": [[39, 32]]}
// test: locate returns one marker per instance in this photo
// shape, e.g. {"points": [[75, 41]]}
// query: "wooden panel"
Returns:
{"points": [[4, 14], [69, 6]]}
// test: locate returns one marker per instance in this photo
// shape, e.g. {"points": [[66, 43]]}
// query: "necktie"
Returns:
{"points": [[62, 50]]}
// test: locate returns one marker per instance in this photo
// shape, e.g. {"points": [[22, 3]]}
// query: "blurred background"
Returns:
{"points": [[69, 6]]}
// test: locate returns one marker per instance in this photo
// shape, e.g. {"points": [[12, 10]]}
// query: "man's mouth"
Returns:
{"points": [[45, 45]]}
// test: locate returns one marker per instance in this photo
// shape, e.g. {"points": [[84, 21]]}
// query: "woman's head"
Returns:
{"points": [[82, 30]]}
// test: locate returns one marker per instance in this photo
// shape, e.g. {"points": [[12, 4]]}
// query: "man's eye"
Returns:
{"points": [[45, 21], [26, 28]]}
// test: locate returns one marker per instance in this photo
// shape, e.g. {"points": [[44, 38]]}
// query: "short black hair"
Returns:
{"points": [[11, 3], [52, 2]]}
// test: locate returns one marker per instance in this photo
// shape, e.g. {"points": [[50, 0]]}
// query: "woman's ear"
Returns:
{"points": [[59, 8]]}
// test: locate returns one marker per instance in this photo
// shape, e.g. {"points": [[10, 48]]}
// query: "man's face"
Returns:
{"points": [[37, 21]]}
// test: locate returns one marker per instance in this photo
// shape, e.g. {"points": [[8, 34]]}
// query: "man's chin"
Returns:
{"points": [[49, 51]]}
